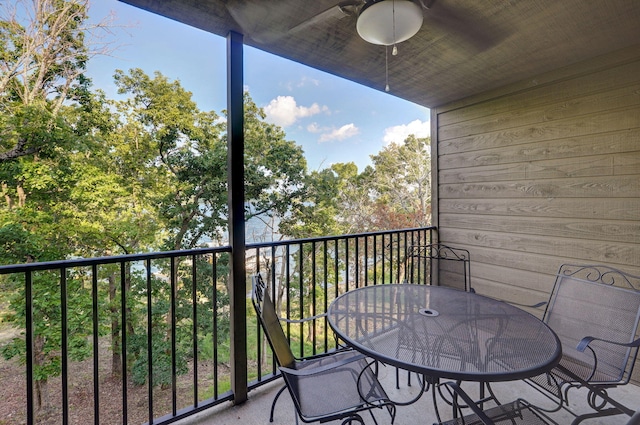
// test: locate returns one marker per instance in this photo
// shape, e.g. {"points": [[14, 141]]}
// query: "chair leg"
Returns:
{"points": [[354, 417], [275, 399], [398, 378]]}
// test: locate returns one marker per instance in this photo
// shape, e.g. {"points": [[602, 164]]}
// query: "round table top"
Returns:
{"points": [[444, 332]]}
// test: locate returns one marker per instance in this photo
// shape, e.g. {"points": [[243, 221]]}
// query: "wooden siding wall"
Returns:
{"points": [[541, 173]]}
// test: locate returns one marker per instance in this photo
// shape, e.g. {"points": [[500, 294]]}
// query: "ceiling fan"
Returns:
{"points": [[270, 21], [383, 22], [371, 15]]}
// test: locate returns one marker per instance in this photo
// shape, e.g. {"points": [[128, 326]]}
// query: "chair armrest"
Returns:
{"points": [[323, 368], [584, 343]]}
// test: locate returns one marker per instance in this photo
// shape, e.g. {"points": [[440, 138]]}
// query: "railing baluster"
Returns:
{"points": [[366, 261], [258, 330], [336, 268], [172, 314], [214, 301], [96, 335], [149, 339], [123, 337], [346, 264], [390, 258], [313, 295], [194, 312], [301, 286], [64, 353], [288, 292], [28, 295], [326, 294], [273, 279], [357, 260], [375, 259], [382, 247]]}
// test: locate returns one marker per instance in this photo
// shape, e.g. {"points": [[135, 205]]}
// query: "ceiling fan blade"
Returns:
{"points": [[259, 20], [459, 25], [339, 11]]}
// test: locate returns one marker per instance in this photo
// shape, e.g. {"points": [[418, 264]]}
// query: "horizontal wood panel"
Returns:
{"points": [[586, 208], [625, 256], [586, 125], [628, 163], [602, 165], [541, 176], [530, 98], [594, 187], [521, 298], [621, 141], [540, 264], [537, 282], [624, 97], [595, 230]]}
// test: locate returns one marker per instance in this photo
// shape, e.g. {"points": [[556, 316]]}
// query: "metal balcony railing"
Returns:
{"points": [[145, 338]]}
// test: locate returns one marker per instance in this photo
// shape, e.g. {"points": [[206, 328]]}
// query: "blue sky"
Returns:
{"points": [[333, 119]]}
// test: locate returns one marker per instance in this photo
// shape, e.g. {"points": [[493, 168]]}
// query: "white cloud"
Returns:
{"points": [[399, 133], [314, 128], [344, 132], [284, 111], [304, 81]]}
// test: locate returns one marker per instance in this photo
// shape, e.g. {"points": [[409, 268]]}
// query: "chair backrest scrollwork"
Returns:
{"points": [[601, 302], [452, 266]]}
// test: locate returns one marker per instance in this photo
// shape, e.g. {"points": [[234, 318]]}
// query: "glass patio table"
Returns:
{"points": [[444, 333]]}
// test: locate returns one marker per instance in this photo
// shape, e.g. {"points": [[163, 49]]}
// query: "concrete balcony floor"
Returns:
{"points": [[256, 409]]}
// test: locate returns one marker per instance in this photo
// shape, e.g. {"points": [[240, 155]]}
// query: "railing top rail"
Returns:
{"points": [[336, 237], [86, 262]]}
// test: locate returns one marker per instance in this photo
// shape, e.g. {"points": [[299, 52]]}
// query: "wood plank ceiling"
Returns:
{"points": [[464, 47]]}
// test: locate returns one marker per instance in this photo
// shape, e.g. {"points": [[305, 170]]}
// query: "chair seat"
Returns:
{"points": [[334, 385], [516, 412], [584, 370], [581, 369], [331, 391]]}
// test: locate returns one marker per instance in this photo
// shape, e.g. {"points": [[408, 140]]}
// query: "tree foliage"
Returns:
{"points": [[400, 182], [393, 193], [85, 175], [44, 48]]}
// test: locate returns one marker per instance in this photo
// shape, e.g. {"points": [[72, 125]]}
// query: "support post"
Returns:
{"points": [[235, 179]]}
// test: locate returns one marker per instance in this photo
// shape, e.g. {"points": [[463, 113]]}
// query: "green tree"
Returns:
{"points": [[43, 52], [177, 153], [400, 181], [44, 48], [275, 168], [327, 207]]}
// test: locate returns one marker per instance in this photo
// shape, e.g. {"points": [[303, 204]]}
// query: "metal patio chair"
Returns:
{"points": [[595, 311], [337, 385], [517, 412], [453, 265]]}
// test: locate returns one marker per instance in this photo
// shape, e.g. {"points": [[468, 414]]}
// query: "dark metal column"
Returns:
{"points": [[235, 178]]}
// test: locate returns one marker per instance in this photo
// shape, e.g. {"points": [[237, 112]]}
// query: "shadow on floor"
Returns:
{"points": [[256, 409]]}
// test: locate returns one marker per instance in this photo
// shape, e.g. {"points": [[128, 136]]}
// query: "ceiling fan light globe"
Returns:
{"points": [[376, 21]]}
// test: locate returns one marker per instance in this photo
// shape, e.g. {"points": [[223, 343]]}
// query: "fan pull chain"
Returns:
{"points": [[386, 66], [394, 51]]}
